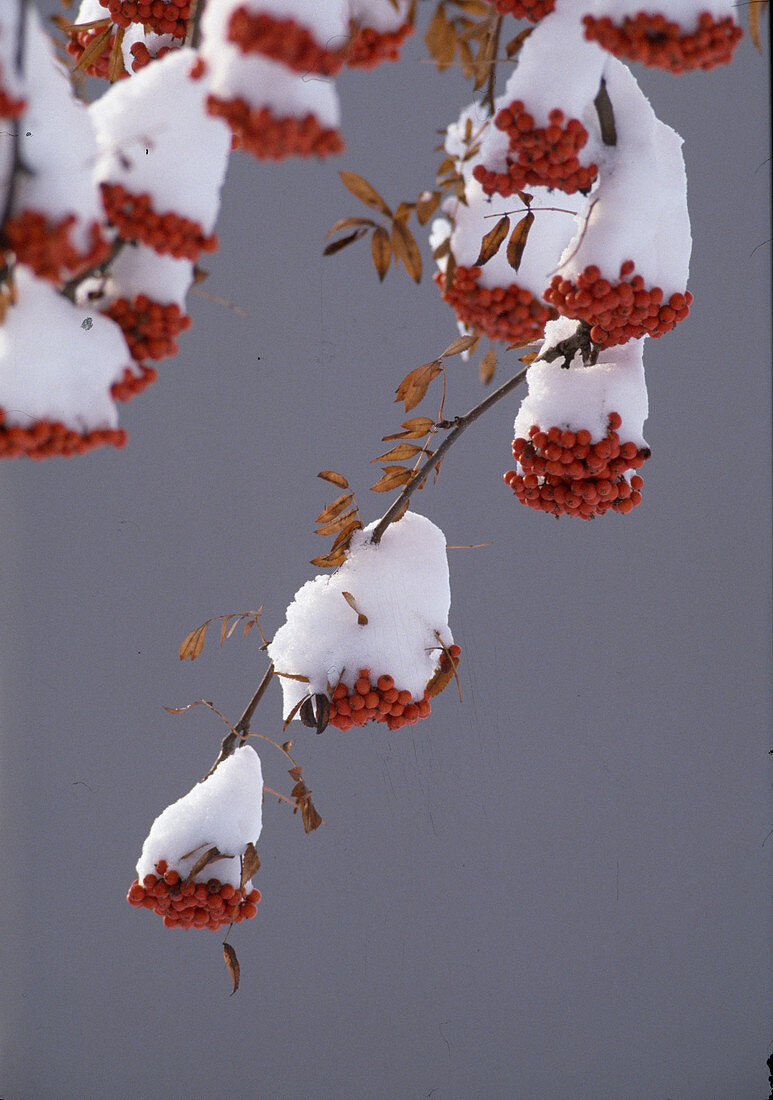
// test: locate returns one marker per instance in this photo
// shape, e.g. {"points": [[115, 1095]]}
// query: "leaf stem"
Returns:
{"points": [[240, 732], [457, 426]]}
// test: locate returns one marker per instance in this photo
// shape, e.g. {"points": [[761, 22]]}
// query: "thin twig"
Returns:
{"points": [[240, 732], [457, 426], [488, 99]]}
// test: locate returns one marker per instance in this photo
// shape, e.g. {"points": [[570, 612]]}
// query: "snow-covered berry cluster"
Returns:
{"points": [[618, 311], [544, 156], [187, 904], [382, 701], [373, 637], [578, 433], [161, 16], [679, 39], [211, 828], [377, 31]]}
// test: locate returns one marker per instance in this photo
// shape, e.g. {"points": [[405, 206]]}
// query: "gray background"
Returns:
{"points": [[553, 889]]}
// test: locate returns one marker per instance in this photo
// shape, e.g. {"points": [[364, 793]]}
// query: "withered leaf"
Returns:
{"points": [[250, 863], [363, 191], [478, 8], [342, 242], [488, 365], [193, 644], [440, 39], [286, 746], [381, 251], [347, 223], [460, 344], [442, 249], [314, 713], [295, 773], [415, 428], [396, 477], [362, 620], [404, 246], [337, 524], [335, 508], [344, 536], [489, 246], [517, 242], [415, 384], [401, 511], [334, 478], [328, 561], [311, 819], [755, 11], [293, 712], [514, 45], [95, 49], [399, 453], [426, 207], [292, 676], [116, 65], [525, 197], [450, 271], [232, 962], [210, 856], [529, 357]]}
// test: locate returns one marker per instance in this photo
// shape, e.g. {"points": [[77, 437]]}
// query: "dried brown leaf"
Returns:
{"points": [[450, 271], [311, 819], [405, 247], [514, 45], [292, 676], [393, 479], [440, 39], [399, 453], [328, 561], [362, 620], [517, 242], [442, 249], [94, 50], [212, 855], [488, 365], [415, 428], [335, 508], [337, 524], [756, 8], [460, 344], [489, 246], [343, 538], [415, 384], [381, 251], [525, 197], [425, 208], [116, 65], [232, 962], [293, 712], [364, 192], [250, 864], [347, 223], [529, 357], [194, 643], [334, 478], [342, 242]]}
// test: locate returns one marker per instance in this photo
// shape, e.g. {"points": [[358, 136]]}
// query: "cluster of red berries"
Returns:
{"points": [[382, 701], [565, 474], [525, 9], [369, 47], [503, 313], [142, 55], [617, 312], [654, 40], [149, 327], [162, 16], [46, 438], [76, 47], [136, 220], [539, 156], [47, 248], [192, 904], [258, 131], [285, 41], [133, 382]]}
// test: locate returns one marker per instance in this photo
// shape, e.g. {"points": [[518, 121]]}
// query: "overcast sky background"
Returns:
{"points": [[555, 888]]}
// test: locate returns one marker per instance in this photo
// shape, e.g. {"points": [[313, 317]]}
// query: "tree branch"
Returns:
{"points": [[240, 732], [459, 425]]}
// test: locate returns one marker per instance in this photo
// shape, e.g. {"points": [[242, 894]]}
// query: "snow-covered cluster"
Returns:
{"points": [[113, 203], [372, 635], [191, 869], [589, 189]]}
